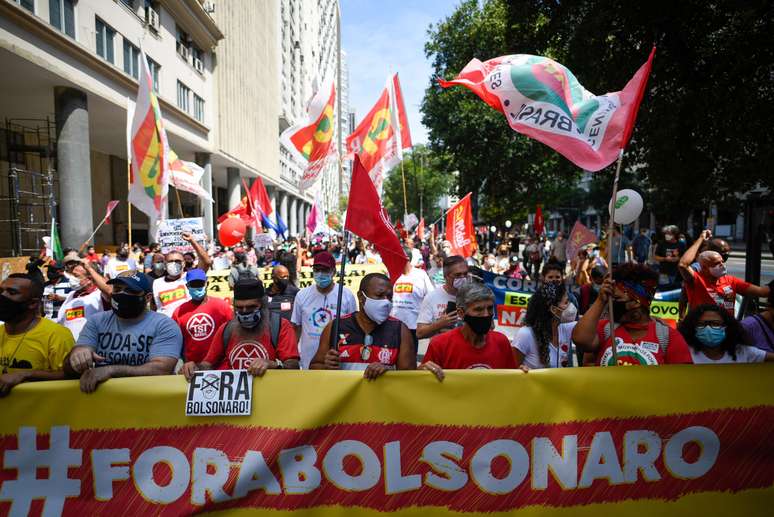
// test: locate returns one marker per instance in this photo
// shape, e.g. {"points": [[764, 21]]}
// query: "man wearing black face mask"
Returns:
{"points": [[255, 340], [31, 348], [128, 341], [55, 290], [282, 293], [120, 263], [475, 345]]}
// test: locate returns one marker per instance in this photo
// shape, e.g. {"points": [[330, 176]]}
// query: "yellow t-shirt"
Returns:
{"points": [[43, 347]]}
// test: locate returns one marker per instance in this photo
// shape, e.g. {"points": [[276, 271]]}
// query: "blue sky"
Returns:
{"points": [[384, 36]]}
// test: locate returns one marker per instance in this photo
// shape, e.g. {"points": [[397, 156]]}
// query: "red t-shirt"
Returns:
{"points": [[646, 351], [451, 351], [241, 351], [708, 289], [199, 322]]}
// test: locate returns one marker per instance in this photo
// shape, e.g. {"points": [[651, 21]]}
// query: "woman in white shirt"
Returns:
{"points": [[715, 337], [546, 339]]}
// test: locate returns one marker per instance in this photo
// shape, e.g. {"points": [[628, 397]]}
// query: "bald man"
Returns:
{"points": [[711, 284], [282, 293]]}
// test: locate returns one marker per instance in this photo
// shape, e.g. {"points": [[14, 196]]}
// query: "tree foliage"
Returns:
{"points": [[702, 132]]}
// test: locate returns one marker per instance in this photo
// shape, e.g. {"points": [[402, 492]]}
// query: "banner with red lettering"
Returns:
{"points": [[459, 228]]}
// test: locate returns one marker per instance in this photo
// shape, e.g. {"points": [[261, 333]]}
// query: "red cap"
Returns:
{"points": [[325, 259]]}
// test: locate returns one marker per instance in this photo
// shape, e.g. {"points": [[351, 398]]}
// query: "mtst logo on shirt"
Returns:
{"points": [[245, 352], [172, 295], [74, 313], [200, 326], [404, 288]]}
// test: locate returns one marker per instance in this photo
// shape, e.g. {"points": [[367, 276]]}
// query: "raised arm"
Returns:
{"points": [[689, 257], [99, 280], [205, 262], [585, 332]]}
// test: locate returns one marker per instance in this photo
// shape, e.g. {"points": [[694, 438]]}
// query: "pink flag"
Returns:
{"points": [[316, 216], [110, 207], [579, 237]]}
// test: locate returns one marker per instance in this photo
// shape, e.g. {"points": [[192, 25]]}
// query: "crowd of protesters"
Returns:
{"points": [[139, 312]]}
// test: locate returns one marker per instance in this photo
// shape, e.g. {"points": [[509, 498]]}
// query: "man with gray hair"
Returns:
{"points": [[711, 284], [474, 345]]}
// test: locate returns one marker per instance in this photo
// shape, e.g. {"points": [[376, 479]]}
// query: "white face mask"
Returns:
{"points": [[460, 282], [75, 283], [377, 310], [569, 314], [174, 269], [718, 271]]}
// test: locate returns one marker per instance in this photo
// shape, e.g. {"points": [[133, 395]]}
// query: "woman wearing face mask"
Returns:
{"points": [[373, 342], [253, 340], [715, 337], [200, 317], [546, 339], [474, 345], [641, 340]]}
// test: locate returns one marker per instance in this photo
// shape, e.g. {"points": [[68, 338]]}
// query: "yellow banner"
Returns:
{"points": [[666, 441], [217, 281]]}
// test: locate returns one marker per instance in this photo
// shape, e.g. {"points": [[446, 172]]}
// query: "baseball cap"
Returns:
{"points": [[195, 274], [72, 257], [133, 280], [324, 258]]}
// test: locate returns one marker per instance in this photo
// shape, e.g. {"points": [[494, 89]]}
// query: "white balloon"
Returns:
{"points": [[628, 206]]}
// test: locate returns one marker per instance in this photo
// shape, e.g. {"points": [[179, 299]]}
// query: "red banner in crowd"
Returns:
{"points": [[459, 228]]}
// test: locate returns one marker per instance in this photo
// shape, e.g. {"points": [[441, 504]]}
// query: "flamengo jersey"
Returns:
{"points": [[355, 354], [168, 296]]}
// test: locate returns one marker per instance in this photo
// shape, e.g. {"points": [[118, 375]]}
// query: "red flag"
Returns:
{"points": [[459, 229], [538, 224], [421, 229], [252, 209], [110, 207], [579, 237], [367, 219], [242, 210], [640, 79], [261, 197]]}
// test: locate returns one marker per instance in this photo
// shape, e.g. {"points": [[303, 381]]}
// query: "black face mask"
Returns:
{"points": [[10, 310], [127, 305], [480, 325], [281, 284], [123, 254], [619, 310]]}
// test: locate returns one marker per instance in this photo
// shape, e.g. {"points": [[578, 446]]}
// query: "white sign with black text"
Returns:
{"points": [[170, 234], [220, 393]]}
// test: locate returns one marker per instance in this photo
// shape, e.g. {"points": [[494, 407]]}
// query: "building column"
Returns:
{"points": [[301, 218], [282, 209], [74, 165], [233, 186], [292, 215], [203, 159]]}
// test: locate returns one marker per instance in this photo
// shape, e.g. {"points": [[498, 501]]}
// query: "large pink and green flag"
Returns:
{"points": [[543, 100], [149, 150]]}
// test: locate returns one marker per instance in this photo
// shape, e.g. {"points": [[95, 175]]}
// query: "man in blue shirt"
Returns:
{"points": [[128, 341]]}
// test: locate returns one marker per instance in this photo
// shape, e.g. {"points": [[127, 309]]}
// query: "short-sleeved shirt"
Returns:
{"points": [[760, 333], [452, 351], [647, 351], [131, 342], [383, 347], [168, 296], [525, 343], [434, 305], [240, 351], [407, 295], [51, 307], [199, 322], [744, 354], [669, 249], [115, 266], [708, 289], [43, 347], [312, 311], [79, 307]]}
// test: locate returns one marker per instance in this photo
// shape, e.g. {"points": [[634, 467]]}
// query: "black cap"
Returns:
{"points": [[248, 289]]}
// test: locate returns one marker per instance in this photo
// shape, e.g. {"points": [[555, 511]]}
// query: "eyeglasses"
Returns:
{"points": [[711, 324]]}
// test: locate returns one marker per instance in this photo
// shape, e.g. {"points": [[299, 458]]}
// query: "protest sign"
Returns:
{"points": [[170, 234], [263, 241], [478, 443], [220, 393]]}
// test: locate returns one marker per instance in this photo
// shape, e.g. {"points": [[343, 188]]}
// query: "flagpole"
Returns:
{"points": [[334, 344], [93, 234], [610, 229], [179, 203], [129, 187]]}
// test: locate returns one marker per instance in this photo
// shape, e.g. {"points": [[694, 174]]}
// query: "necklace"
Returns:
{"points": [[5, 338]]}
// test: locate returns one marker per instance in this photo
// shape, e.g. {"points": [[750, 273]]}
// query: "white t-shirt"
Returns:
{"points": [[525, 343], [169, 295], [75, 310], [434, 305], [407, 295], [312, 311], [744, 354], [115, 266]]}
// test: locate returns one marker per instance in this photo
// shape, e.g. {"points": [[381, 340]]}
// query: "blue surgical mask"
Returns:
{"points": [[197, 293], [323, 280], [711, 337]]}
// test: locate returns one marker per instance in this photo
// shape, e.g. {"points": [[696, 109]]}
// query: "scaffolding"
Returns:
{"points": [[28, 185]]}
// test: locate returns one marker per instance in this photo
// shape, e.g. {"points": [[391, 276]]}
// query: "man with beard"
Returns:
{"points": [[31, 348], [128, 341]]}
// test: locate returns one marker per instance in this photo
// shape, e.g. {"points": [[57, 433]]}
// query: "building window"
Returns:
{"points": [[154, 72], [27, 4], [61, 14], [105, 36], [131, 59], [183, 44], [197, 56], [198, 108], [183, 96]]}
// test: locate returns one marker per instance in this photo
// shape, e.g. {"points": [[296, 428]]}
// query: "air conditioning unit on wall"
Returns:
{"points": [[199, 65]]}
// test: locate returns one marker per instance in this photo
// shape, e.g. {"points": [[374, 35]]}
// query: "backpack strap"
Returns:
{"points": [[227, 334], [662, 334], [275, 322]]}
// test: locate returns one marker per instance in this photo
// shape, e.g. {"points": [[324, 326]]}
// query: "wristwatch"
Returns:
{"points": [[279, 364]]}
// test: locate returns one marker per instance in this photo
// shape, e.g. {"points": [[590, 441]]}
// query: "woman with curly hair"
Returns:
{"points": [[715, 337], [545, 340]]}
